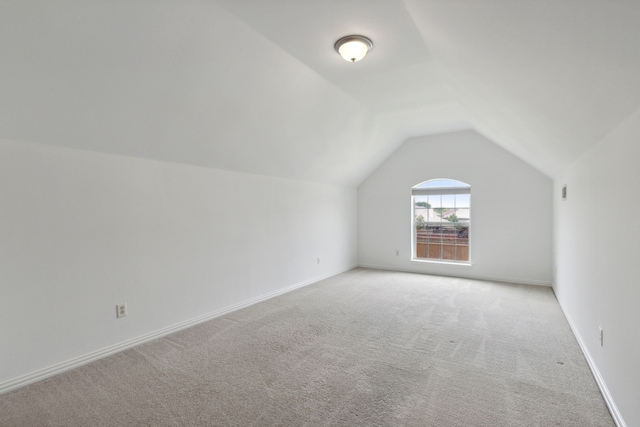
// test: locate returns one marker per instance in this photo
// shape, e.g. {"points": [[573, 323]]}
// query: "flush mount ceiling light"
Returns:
{"points": [[353, 48]]}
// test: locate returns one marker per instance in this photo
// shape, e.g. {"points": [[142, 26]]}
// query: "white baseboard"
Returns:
{"points": [[107, 351], [613, 409], [464, 276]]}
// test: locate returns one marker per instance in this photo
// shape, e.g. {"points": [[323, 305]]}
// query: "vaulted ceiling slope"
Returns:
{"points": [[255, 86]]}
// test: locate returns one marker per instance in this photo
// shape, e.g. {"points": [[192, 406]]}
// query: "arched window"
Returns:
{"points": [[441, 220]]}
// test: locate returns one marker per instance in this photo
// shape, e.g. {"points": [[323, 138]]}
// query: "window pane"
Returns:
{"points": [[420, 202], [463, 200], [420, 211], [442, 222], [441, 183], [431, 216], [435, 201], [448, 200], [464, 215], [420, 215], [434, 183]]}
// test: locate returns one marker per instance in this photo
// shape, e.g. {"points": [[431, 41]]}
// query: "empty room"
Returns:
{"points": [[289, 213]]}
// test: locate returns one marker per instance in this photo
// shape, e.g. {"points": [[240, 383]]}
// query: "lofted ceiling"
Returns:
{"points": [[255, 86]]}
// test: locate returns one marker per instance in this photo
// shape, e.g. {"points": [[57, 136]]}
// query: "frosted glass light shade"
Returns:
{"points": [[353, 48]]}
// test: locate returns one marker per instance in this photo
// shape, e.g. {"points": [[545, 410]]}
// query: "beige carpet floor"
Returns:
{"points": [[364, 348]]}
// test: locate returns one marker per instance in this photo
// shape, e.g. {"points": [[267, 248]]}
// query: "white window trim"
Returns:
{"points": [[436, 191], [449, 262], [440, 191]]}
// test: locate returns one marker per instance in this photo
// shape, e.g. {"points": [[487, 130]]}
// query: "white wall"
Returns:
{"points": [[81, 232], [511, 211], [597, 247]]}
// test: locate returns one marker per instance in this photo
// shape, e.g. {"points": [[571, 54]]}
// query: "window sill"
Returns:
{"points": [[430, 261]]}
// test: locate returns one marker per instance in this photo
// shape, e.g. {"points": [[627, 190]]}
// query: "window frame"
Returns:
{"points": [[442, 191]]}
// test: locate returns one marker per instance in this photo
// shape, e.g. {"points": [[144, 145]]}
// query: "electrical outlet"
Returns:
{"points": [[121, 310], [317, 260], [601, 337]]}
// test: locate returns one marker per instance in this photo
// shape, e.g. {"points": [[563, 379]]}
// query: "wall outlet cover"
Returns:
{"points": [[121, 310]]}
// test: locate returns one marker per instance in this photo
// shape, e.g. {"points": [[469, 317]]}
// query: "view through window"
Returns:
{"points": [[441, 220]]}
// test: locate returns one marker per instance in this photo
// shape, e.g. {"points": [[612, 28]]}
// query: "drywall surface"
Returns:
{"points": [[511, 213], [596, 250], [81, 232]]}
